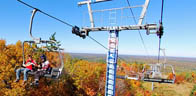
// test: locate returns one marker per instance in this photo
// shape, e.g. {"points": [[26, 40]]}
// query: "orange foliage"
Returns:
{"points": [[128, 94], [170, 76], [11, 56], [123, 64], [194, 93], [147, 93], [87, 76], [79, 78], [179, 79], [193, 74]]}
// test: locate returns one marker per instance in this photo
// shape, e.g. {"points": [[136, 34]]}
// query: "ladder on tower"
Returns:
{"points": [[111, 63], [112, 17]]}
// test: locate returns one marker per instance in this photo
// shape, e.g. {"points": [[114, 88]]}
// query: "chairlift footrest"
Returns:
{"points": [[158, 80], [120, 77]]}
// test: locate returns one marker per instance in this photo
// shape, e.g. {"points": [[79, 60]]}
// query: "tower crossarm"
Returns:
{"points": [[147, 27], [91, 1]]}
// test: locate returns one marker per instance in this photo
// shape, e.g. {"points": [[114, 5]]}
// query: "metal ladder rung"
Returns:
{"points": [[110, 73], [110, 89], [111, 57], [111, 78], [113, 42], [112, 17], [111, 68], [110, 94]]}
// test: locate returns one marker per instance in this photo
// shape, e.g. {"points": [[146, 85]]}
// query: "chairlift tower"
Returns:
{"points": [[112, 55]]}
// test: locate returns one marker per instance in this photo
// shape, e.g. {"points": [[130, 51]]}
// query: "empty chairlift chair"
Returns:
{"points": [[160, 72]]}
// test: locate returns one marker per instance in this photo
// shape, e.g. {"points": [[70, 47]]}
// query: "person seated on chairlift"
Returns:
{"points": [[28, 66], [45, 65]]}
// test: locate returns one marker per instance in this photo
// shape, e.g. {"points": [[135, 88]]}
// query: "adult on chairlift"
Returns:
{"points": [[45, 65], [28, 66]]}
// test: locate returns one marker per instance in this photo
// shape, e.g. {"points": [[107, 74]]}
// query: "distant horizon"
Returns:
{"points": [[130, 55], [7, 43]]}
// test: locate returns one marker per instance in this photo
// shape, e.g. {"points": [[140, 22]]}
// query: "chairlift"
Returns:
{"points": [[156, 72], [52, 72], [130, 74], [153, 73], [132, 77]]}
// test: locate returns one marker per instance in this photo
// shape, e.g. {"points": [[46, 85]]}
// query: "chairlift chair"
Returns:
{"points": [[53, 72], [155, 72], [130, 75]]}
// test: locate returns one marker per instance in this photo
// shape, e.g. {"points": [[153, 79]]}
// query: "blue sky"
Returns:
{"points": [[179, 22]]}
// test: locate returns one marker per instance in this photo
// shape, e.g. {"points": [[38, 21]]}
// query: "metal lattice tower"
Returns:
{"points": [[112, 55], [111, 63]]}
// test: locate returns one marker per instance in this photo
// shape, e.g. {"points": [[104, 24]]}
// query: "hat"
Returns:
{"points": [[43, 57]]}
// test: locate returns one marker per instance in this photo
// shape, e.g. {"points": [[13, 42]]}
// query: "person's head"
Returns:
{"points": [[43, 58], [29, 57]]}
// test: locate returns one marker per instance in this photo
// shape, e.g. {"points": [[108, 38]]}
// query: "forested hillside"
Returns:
{"points": [[83, 78]]}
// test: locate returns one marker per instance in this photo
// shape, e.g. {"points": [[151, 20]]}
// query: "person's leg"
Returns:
{"points": [[25, 73], [18, 71], [37, 75], [42, 73], [36, 80]]}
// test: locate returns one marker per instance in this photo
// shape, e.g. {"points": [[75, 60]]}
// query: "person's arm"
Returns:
{"points": [[34, 63], [45, 65], [25, 64]]}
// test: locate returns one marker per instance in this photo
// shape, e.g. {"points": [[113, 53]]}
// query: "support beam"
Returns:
{"points": [[112, 9], [91, 1], [90, 15], [143, 13], [120, 28]]}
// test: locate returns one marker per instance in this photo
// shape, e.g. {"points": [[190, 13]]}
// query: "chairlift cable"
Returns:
{"points": [[159, 50], [160, 35], [46, 14], [162, 10], [143, 43], [98, 42]]}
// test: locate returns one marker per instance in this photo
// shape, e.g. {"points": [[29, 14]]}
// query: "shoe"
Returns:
{"points": [[35, 83], [16, 80]]}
